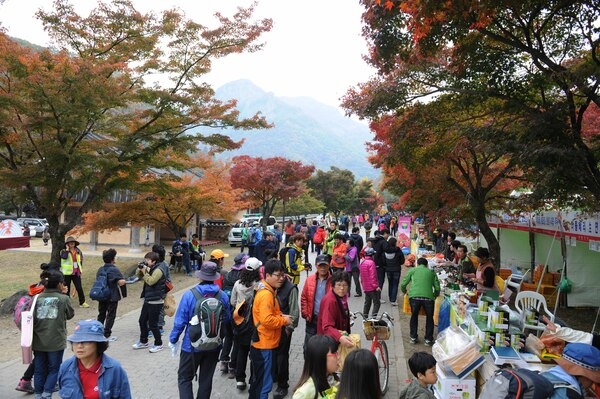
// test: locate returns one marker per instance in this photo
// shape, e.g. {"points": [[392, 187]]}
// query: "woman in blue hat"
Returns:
{"points": [[90, 373]]}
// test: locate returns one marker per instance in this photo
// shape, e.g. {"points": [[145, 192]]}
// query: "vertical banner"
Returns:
{"points": [[404, 231]]}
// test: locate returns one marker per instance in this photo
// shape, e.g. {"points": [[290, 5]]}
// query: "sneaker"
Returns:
{"points": [[413, 340], [25, 386], [241, 385], [231, 374], [112, 339], [84, 305], [140, 345], [224, 367], [156, 348], [357, 295], [428, 342], [381, 301], [394, 303], [280, 393]]}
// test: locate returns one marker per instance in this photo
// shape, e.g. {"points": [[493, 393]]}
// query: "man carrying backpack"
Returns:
{"points": [[254, 236], [191, 359], [107, 310], [269, 322]]}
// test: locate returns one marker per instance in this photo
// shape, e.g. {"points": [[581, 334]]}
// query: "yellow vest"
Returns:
{"points": [[66, 265]]}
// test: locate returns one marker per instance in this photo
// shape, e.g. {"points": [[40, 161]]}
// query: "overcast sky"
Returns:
{"points": [[314, 49]]}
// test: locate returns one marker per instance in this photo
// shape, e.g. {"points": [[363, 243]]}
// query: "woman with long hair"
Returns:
{"points": [[360, 376], [320, 361]]}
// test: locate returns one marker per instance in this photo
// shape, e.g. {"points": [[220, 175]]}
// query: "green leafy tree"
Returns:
{"points": [[121, 97], [335, 188], [303, 205]]}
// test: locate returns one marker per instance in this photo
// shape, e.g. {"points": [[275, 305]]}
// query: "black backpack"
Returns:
{"points": [[100, 290], [517, 384], [205, 326], [243, 314]]}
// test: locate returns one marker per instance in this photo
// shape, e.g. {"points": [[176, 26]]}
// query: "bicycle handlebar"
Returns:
{"points": [[383, 315]]}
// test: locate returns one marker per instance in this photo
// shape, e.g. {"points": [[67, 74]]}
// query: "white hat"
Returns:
{"points": [[253, 264]]}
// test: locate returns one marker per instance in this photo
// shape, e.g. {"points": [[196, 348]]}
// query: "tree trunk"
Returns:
{"points": [[488, 234]]}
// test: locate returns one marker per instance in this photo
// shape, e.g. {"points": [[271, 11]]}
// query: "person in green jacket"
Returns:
{"points": [[424, 288]]}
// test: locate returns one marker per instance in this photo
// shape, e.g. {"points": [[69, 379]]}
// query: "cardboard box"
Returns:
{"points": [[449, 386]]}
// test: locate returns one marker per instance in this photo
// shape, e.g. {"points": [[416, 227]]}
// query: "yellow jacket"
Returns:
{"points": [[267, 317]]}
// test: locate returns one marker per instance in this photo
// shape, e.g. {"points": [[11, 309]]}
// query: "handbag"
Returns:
{"points": [[27, 333], [170, 305], [169, 285]]}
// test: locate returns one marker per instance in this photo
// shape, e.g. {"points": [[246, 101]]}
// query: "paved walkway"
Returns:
{"points": [[154, 375]]}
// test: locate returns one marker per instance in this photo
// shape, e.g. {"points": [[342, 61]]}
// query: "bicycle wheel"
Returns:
{"points": [[383, 362]]}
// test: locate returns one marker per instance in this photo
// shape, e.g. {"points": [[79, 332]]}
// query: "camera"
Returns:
{"points": [[141, 265]]}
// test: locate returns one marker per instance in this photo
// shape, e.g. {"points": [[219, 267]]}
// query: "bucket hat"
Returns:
{"points": [[71, 239], [208, 271], [581, 360], [88, 331], [239, 262]]}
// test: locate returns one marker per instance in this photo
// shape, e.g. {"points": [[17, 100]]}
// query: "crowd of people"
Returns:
{"points": [[258, 305]]}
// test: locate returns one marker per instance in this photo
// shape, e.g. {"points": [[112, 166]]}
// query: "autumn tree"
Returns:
{"points": [[172, 201], [266, 182], [365, 196], [540, 56], [120, 97], [450, 161], [335, 188]]}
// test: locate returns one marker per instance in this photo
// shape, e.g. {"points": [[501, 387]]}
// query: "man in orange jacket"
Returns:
{"points": [[269, 322]]}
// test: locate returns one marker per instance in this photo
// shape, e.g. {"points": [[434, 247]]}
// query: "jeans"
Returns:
{"points": [[380, 276], [375, 297], [393, 282], [281, 371], [107, 311], [243, 245], [188, 367], [45, 375], [77, 283], [415, 305], [356, 278], [149, 319], [262, 378]]}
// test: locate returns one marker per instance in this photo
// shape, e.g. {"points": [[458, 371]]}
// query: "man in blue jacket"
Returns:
{"points": [[190, 358]]}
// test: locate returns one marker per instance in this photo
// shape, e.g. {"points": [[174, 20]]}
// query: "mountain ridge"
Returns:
{"points": [[305, 130]]}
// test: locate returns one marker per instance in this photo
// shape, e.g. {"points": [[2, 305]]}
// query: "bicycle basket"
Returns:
{"points": [[381, 328]]}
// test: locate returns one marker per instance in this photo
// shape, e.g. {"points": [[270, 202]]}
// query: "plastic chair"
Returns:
{"points": [[515, 281], [527, 300]]}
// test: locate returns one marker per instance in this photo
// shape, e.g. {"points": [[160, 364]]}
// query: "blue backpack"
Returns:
{"points": [[100, 290]]}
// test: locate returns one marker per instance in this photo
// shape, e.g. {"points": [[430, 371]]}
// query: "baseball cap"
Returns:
{"points": [[253, 264], [322, 259], [369, 251], [218, 254]]}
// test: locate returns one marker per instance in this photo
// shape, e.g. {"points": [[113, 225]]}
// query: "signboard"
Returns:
{"points": [[404, 231]]}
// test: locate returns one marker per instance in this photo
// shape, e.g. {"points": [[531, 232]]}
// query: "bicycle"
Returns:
{"points": [[378, 330]]}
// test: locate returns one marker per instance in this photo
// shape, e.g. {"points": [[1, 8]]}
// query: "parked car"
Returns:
{"points": [[36, 225], [235, 234]]}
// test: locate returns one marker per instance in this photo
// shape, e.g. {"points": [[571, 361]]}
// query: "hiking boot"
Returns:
{"points": [[280, 393], [140, 345], [241, 385], [84, 305], [224, 367], [156, 348], [413, 340], [25, 386], [428, 342]]}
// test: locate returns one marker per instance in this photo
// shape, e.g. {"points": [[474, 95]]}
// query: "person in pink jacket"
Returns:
{"points": [[368, 277]]}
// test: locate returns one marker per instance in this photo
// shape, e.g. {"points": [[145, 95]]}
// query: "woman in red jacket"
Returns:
{"points": [[333, 312]]}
